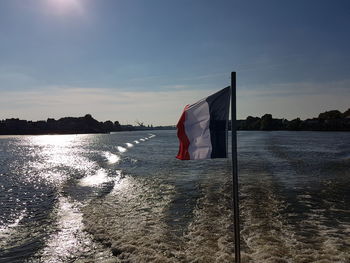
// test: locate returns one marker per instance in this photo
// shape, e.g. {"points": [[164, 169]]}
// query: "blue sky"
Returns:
{"points": [[131, 60]]}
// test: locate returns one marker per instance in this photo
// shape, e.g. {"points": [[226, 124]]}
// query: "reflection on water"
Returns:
{"points": [[59, 141], [129, 144], [7, 229], [94, 180], [112, 158], [121, 149], [86, 198], [69, 238]]}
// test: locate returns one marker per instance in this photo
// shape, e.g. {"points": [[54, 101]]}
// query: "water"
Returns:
{"points": [[123, 197]]}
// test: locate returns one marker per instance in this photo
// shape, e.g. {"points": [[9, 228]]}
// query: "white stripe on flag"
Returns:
{"points": [[197, 130]]}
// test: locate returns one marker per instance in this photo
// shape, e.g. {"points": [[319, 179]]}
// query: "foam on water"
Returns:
{"points": [[154, 208], [99, 178], [281, 223], [112, 158], [200, 242], [134, 221], [70, 241], [146, 232], [121, 149], [136, 207], [129, 145], [136, 141]]}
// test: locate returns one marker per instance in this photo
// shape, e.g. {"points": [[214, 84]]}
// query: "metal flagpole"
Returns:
{"points": [[235, 170]]}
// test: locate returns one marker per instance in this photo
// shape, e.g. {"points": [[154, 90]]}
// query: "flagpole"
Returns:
{"points": [[235, 193]]}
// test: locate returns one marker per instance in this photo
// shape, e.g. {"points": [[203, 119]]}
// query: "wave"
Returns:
{"points": [[7, 229], [129, 220], [97, 179], [112, 158], [121, 149], [128, 144], [70, 241]]}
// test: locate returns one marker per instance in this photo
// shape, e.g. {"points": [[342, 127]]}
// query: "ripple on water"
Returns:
{"points": [[70, 241], [130, 220]]}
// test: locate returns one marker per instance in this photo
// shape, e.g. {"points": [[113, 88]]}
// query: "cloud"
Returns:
{"points": [[150, 107], [163, 107]]}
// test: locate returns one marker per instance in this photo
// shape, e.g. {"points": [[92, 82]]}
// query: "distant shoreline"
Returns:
{"points": [[69, 125], [332, 120], [75, 133], [327, 121], [44, 134]]}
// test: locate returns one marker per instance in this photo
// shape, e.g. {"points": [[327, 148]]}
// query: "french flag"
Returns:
{"points": [[202, 128]]}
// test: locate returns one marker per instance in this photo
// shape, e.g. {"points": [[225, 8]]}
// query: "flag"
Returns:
{"points": [[202, 128]]}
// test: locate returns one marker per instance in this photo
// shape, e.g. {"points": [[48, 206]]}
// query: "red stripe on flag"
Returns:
{"points": [[183, 153]]}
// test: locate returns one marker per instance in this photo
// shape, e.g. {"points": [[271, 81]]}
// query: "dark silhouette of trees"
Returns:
{"points": [[332, 120], [346, 114], [251, 123], [266, 122], [117, 126], [294, 125], [330, 115], [108, 126], [66, 125]]}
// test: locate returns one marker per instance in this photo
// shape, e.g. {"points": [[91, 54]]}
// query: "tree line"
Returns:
{"points": [[66, 125], [333, 120]]}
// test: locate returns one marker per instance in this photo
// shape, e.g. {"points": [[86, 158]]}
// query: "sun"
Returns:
{"points": [[65, 6]]}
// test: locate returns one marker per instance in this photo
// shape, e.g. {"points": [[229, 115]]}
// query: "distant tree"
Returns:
{"points": [[346, 113], [294, 125], [251, 123], [329, 115], [266, 122], [117, 126], [108, 126]]}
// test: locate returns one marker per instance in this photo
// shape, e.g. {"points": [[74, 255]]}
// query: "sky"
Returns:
{"points": [[144, 60]]}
